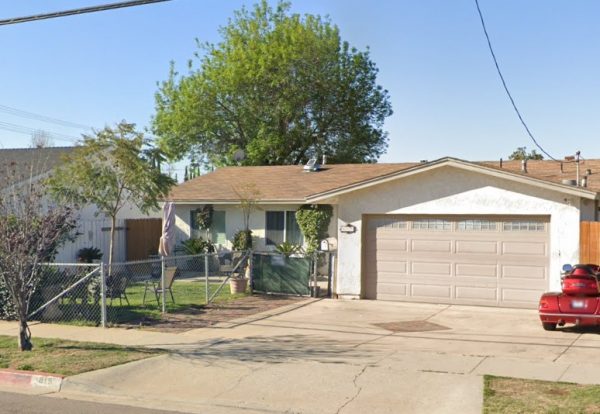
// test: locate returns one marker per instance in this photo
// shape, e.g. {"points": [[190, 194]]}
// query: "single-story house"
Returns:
{"points": [[445, 231]]}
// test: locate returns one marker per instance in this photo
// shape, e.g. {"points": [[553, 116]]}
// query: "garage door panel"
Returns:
{"points": [[431, 268], [390, 277], [477, 246], [389, 256], [476, 270], [520, 295], [430, 245], [479, 260], [394, 267], [477, 293], [396, 245], [392, 289], [524, 248], [523, 272], [431, 291]]}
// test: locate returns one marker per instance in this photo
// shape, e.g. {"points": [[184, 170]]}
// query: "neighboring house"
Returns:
{"points": [[446, 231], [19, 165]]}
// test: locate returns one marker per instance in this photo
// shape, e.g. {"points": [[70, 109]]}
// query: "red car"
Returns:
{"points": [[579, 301]]}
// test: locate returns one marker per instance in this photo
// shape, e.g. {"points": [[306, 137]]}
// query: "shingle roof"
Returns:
{"points": [[18, 164], [552, 171], [278, 183], [291, 183]]}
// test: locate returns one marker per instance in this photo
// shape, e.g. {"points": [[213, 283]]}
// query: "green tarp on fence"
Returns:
{"points": [[281, 274]]}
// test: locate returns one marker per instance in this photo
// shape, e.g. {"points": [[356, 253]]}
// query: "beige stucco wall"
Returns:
{"points": [[450, 190]]}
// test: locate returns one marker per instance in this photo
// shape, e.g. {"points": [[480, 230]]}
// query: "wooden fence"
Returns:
{"points": [[589, 242], [143, 236]]}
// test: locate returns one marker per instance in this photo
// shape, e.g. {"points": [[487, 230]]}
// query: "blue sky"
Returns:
{"points": [[100, 68]]}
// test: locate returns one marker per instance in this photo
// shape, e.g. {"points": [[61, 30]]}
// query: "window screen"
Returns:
{"points": [[275, 223]]}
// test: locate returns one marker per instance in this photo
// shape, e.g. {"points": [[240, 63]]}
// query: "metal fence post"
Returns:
{"points": [[103, 296], [206, 278], [162, 284], [250, 265]]}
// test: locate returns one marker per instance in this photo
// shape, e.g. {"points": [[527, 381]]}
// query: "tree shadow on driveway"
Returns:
{"points": [[281, 349]]}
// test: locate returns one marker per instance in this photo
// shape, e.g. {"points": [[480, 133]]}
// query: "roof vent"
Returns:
{"points": [[311, 166], [570, 182]]}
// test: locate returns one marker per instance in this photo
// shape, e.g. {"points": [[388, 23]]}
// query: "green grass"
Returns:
{"points": [[513, 395], [63, 357], [189, 298]]}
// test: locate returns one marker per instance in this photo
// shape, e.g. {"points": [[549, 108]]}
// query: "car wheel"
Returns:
{"points": [[549, 326]]}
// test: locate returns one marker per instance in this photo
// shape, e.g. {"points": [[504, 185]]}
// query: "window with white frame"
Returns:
{"points": [[476, 225], [217, 231], [387, 223], [281, 226], [524, 225], [431, 224]]}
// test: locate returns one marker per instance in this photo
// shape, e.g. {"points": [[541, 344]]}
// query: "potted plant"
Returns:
{"points": [[288, 249], [242, 242]]}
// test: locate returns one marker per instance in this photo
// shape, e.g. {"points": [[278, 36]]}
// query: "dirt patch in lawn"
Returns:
{"points": [[204, 316]]}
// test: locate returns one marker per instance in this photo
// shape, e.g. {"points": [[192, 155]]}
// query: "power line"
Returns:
{"points": [[21, 129], [512, 101], [83, 10], [38, 117]]}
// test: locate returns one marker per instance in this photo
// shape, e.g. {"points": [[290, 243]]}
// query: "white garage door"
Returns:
{"points": [[487, 260]]}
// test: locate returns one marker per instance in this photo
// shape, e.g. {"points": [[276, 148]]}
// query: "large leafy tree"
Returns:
{"points": [[280, 86], [31, 232], [521, 154], [110, 168]]}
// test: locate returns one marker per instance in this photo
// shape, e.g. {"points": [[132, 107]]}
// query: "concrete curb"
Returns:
{"points": [[31, 379]]}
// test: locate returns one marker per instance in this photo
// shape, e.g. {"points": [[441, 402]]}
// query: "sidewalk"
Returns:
{"points": [[334, 357], [141, 337]]}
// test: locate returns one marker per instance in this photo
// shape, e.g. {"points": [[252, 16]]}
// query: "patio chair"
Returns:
{"points": [[157, 288], [117, 288], [229, 267]]}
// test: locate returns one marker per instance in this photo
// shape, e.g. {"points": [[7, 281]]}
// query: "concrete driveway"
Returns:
{"points": [[347, 357]]}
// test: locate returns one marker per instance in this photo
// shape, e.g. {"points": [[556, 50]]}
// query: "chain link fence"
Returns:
{"points": [[68, 292], [133, 293], [141, 292]]}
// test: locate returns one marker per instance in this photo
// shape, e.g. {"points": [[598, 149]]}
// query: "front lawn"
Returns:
{"points": [[189, 298], [64, 357], [513, 395]]}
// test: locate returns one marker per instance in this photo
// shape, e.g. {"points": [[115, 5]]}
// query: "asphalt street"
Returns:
{"points": [[11, 403]]}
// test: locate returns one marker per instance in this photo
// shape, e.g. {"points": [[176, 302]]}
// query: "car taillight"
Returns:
{"points": [[543, 304]]}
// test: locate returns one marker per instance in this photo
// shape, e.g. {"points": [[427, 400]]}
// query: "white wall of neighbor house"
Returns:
{"points": [[93, 230], [450, 190], [233, 222]]}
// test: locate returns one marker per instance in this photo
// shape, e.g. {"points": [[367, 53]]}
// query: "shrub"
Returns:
{"points": [[313, 221], [89, 254], [242, 240], [288, 249], [7, 310], [197, 246]]}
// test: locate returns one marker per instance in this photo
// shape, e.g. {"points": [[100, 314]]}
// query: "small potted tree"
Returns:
{"points": [[242, 241]]}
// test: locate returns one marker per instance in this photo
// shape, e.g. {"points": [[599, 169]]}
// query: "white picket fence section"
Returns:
{"points": [[95, 233]]}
